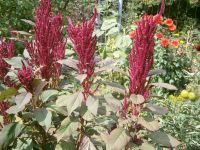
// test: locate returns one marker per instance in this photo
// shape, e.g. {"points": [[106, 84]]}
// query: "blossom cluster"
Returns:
{"points": [[6, 51], [48, 45], [84, 43], [3, 107]]}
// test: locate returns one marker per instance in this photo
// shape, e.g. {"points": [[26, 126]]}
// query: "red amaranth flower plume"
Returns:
{"points": [[141, 56], [6, 51], [48, 45], [3, 107], [84, 43], [25, 76]]}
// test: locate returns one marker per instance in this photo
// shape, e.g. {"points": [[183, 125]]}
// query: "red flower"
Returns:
{"points": [[172, 28], [48, 45], [25, 76], [164, 42], [159, 35], [6, 51], [84, 44], [132, 34], [141, 56], [197, 47], [175, 43], [168, 22]]}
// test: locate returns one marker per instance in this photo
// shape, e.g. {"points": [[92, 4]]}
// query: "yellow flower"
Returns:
{"points": [[182, 42]]}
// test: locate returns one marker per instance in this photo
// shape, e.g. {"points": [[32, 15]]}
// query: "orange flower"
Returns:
{"points": [[168, 22], [159, 35], [164, 42], [158, 19], [132, 34], [172, 28], [175, 43]]}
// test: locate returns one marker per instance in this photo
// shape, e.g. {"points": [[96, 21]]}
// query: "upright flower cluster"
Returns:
{"points": [[84, 44], [6, 51], [141, 56], [25, 76], [48, 45]]}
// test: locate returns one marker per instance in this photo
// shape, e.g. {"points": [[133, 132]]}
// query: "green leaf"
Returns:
{"points": [[16, 62], [149, 123], [44, 117], [147, 146], [48, 94], [62, 145], [117, 139], [108, 24], [164, 85], [113, 103], [81, 77], [164, 139], [93, 104], [123, 42], [21, 101], [72, 63], [67, 128], [9, 133], [23, 144], [86, 144], [114, 86], [156, 109], [112, 31], [70, 101], [137, 99], [22, 32], [8, 93]]}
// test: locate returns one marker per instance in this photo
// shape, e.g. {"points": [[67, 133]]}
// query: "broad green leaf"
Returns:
{"points": [[9, 133], [156, 109], [48, 94], [21, 101], [147, 146], [66, 145], [67, 128], [86, 144], [108, 24], [61, 110], [81, 77], [7, 93], [114, 86], [149, 123], [93, 104], [117, 139], [16, 62], [23, 144], [44, 117], [123, 41], [164, 85], [164, 139], [112, 102], [112, 31], [137, 99], [72, 63], [70, 101]]}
